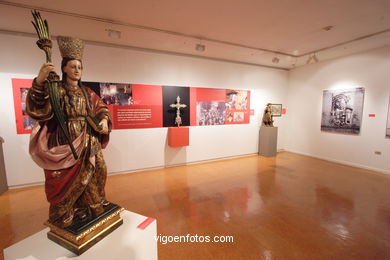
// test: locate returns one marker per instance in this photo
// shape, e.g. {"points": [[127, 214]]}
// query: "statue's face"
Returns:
{"points": [[73, 70]]}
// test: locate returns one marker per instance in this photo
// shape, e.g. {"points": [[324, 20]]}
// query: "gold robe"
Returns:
{"points": [[73, 187]]}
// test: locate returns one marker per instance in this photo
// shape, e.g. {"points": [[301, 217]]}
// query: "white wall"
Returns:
{"points": [[370, 70], [136, 149]]}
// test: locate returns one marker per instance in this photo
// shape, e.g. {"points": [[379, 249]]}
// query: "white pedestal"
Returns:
{"points": [[126, 242]]}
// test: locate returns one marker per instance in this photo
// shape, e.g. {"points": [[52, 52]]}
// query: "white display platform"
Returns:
{"points": [[126, 242], [268, 141]]}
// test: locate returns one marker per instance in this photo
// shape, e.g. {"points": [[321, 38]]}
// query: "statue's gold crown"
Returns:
{"points": [[70, 47]]}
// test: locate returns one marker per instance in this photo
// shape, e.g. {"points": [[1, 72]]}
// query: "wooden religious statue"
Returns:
{"points": [[267, 116], [73, 127]]}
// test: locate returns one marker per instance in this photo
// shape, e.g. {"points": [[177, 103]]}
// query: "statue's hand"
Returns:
{"points": [[104, 124], [44, 72]]}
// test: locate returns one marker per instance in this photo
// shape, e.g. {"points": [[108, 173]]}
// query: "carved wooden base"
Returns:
{"points": [[83, 235]]}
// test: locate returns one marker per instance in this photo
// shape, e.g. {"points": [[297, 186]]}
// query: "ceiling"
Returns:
{"points": [[280, 33]]}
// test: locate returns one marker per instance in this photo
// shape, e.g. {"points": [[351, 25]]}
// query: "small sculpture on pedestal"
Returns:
{"points": [[267, 116], [268, 133], [178, 105]]}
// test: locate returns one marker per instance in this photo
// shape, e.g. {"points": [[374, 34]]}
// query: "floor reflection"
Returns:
{"points": [[288, 207], [333, 208]]}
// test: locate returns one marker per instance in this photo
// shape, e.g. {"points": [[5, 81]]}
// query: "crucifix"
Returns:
{"points": [[178, 106]]}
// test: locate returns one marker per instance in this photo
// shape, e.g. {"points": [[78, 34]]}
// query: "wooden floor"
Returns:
{"points": [[288, 207]]}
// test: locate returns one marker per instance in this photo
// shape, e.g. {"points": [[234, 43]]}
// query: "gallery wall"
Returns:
{"points": [[140, 149], [369, 70]]}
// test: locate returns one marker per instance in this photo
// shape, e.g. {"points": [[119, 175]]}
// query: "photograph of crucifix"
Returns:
{"points": [[176, 106]]}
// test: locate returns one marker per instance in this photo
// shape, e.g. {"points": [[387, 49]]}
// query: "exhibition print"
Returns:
{"points": [[131, 105], [220, 106], [24, 123], [170, 94], [116, 94], [388, 122], [237, 106], [149, 106], [210, 113], [236, 99], [342, 110], [138, 106]]}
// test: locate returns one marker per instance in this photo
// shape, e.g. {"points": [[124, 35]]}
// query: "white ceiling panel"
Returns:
{"points": [[246, 31]]}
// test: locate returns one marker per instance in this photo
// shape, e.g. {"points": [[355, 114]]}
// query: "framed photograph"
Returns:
{"points": [[342, 110], [276, 109]]}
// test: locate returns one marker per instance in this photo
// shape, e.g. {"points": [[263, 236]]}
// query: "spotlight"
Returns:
{"points": [[200, 47], [315, 58], [113, 33], [327, 28], [312, 57]]}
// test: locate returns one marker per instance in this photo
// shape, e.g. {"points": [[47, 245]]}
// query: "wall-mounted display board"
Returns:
{"points": [[388, 122], [131, 105], [342, 110], [210, 106], [148, 106]]}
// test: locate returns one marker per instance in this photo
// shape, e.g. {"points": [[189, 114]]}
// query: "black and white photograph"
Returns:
{"points": [[210, 113], [23, 94], [28, 123], [23, 108], [342, 110], [388, 122], [116, 94]]}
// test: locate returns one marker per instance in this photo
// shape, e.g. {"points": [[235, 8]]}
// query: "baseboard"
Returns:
{"points": [[211, 160], [342, 162], [27, 185], [146, 169], [181, 164], [220, 159]]}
